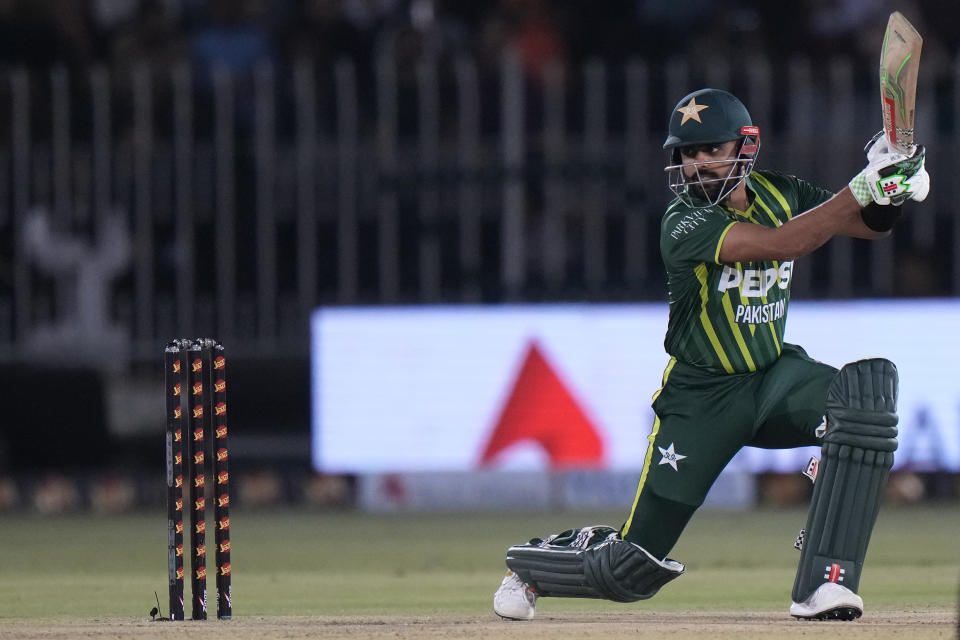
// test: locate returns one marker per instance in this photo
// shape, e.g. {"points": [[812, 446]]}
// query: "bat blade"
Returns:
{"points": [[899, 67]]}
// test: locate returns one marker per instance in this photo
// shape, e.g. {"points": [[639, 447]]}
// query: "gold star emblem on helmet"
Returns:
{"points": [[692, 111]]}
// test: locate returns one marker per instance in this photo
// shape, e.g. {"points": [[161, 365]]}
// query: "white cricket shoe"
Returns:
{"points": [[830, 601], [515, 599]]}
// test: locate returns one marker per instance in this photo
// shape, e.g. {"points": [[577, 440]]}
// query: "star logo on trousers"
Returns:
{"points": [[670, 456]]}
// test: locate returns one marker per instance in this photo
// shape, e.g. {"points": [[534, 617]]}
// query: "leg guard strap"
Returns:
{"points": [[612, 569], [857, 455]]}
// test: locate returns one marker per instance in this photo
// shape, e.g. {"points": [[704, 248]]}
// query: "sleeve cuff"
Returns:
{"points": [[716, 254]]}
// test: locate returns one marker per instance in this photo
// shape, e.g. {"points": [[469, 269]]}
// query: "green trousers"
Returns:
{"points": [[702, 420]]}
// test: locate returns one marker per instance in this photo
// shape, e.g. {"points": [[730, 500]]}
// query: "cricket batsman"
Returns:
{"points": [[728, 241]]}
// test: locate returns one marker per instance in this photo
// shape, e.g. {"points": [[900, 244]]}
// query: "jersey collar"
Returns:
{"points": [[751, 198]]}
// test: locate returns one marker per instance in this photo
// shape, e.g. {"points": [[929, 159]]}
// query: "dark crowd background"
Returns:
{"points": [[43, 34]]}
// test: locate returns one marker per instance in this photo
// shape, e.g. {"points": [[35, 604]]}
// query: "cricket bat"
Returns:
{"points": [[899, 67]]}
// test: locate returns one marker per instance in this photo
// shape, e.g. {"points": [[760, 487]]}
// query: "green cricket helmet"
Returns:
{"points": [[709, 117]]}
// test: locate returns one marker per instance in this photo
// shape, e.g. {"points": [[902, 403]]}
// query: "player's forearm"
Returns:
{"points": [[855, 226], [795, 238], [841, 215]]}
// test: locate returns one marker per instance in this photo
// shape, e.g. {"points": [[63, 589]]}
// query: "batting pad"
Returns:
{"points": [[856, 458], [613, 570]]}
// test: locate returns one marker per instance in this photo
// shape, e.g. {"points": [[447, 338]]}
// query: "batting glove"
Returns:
{"points": [[918, 186], [891, 177]]}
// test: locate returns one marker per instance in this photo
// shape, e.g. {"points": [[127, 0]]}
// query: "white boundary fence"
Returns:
{"points": [[174, 202]]}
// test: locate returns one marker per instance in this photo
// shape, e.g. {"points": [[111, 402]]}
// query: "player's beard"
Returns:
{"points": [[708, 191], [709, 185]]}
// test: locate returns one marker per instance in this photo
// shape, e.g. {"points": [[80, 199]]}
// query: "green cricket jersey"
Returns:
{"points": [[730, 318]]}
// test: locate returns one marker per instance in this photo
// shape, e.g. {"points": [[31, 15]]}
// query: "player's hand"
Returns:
{"points": [[877, 146], [891, 177], [918, 186], [901, 180]]}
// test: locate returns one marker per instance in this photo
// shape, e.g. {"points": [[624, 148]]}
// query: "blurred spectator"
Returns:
{"points": [[370, 15], [423, 31], [422, 36], [108, 15], [529, 29], [234, 36]]}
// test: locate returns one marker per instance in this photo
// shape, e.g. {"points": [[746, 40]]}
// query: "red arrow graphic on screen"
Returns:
{"points": [[541, 409]]}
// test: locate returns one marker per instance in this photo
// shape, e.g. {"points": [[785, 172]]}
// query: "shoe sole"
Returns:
{"points": [[844, 614]]}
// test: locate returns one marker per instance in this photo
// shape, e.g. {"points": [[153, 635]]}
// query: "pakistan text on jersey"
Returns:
{"points": [[760, 313], [687, 223]]}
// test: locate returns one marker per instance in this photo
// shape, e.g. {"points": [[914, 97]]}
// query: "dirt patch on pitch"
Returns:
{"points": [[920, 624]]}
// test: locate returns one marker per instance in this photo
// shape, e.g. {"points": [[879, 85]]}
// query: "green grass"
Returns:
{"points": [[351, 564]]}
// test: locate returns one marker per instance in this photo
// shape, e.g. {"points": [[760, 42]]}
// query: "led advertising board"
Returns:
{"points": [[527, 387]]}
